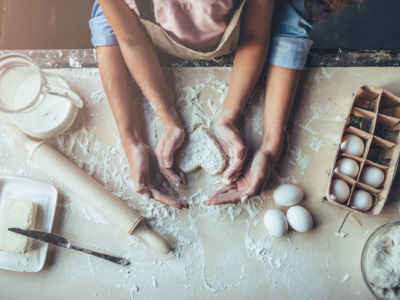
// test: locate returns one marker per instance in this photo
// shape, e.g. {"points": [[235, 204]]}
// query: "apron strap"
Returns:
{"points": [[146, 10]]}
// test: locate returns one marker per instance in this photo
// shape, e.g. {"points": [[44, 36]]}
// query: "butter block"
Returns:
{"points": [[19, 214]]}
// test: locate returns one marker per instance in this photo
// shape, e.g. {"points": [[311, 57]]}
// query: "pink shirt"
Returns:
{"points": [[196, 24]]}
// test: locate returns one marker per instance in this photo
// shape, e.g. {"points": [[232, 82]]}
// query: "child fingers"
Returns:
{"points": [[139, 181], [170, 146], [143, 190], [167, 189], [171, 176], [182, 175], [168, 154], [168, 200], [169, 173]]}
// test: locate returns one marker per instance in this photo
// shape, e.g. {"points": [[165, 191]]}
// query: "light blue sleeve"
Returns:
{"points": [[290, 42], [102, 33]]}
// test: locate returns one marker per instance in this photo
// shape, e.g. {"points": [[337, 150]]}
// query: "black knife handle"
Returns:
{"points": [[114, 259]]}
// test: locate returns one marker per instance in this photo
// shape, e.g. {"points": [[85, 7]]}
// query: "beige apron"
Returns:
{"points": [[228, 43]]}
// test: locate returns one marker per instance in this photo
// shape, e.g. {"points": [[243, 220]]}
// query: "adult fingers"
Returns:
{"points": [[236, 153], [225, 188], [231, 196], [253, 189], [259, 173], [236, 159]]}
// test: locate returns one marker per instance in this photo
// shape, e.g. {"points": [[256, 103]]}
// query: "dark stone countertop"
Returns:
{"points": [[86, 58]]}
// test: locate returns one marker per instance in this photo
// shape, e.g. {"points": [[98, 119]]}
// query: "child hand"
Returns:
{"points": [[147, 178], [248, 183], [233, 147], [171, 139]]}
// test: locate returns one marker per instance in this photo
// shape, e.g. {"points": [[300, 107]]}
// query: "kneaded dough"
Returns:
{"points": [[201, 151]]}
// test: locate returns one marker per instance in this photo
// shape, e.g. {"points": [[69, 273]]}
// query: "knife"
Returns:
{"points": [[62, 242]]}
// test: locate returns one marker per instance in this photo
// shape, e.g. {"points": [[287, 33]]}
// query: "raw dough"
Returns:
{"points": [[19, 214], [201, 151]]}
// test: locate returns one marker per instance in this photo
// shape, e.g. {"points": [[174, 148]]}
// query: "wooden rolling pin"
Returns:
{"points": [[113, 209]]}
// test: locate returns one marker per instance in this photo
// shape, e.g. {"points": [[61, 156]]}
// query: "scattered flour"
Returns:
{"points": [[341, 234], [74, 62], [346, 277], [254, 258]]}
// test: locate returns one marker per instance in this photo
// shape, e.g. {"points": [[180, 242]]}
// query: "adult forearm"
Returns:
{"points": [[281, 86], [250, 56], [122, 96], [248, 63]]}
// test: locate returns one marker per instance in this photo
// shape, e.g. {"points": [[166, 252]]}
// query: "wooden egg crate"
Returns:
{"points": [[375, 118]]}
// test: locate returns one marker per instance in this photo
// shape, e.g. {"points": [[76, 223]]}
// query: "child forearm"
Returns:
{"points": [[140, 58], [120, 93], [281, 88], [143, 64]]}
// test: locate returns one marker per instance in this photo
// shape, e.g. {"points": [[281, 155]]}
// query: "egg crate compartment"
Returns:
{"points": [[367, 98], [359, 160], [388, 128], [366, 164], [362, 119], [375, 194], [365, 136], [375, 118], [380, 150], [389, 104]]}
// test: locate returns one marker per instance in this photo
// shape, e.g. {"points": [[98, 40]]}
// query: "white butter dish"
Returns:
{"points": [[45, 195]]}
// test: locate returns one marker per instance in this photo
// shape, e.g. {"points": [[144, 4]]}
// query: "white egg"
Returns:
{"points": [[275, 222], [361, 200], [348, 166], [352, 144], [288, 194], [372, 176], [340, 191], [299, 218]]}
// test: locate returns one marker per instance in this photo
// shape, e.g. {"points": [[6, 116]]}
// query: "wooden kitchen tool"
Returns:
{"points": [[113, 209]]}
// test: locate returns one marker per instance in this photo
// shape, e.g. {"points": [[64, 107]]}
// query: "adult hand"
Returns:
{"points": [[171, 139], [249, 183], [147, 177], [233, 147]]}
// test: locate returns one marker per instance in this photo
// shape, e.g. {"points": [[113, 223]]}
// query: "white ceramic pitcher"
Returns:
{"points": [[41, 104]]}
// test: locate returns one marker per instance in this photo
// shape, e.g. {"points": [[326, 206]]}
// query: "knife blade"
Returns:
{"points": [[62, 242]]}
